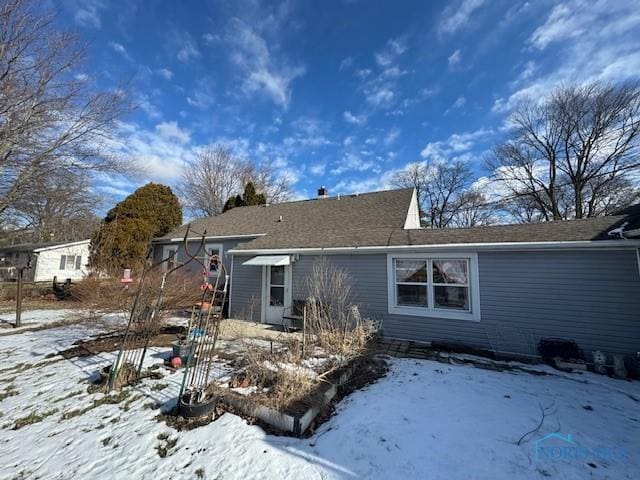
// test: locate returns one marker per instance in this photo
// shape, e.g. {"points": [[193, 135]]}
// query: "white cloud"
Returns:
{"points": [[211, 38], [308, 132], [183, 46], [202, 94], [345, 63], [599, 44], [188, 52], [381, 89], [456, 145], [318, 168], [165, 73], [120, 49], [87, 13], [455, 58], [459, 103], [379, 95], [161, 153], [563, 23], [148, 107], [356, 186], [353, 162], [171, 131], [391, 136], [354, 119], [391, 51], [263, 71], [457, 16]]}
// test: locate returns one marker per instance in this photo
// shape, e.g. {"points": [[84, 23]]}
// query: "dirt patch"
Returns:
{"points": [[172, 419], [111, 342], [126, 376]]}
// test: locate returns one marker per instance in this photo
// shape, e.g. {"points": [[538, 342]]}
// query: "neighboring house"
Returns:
{"points": [[500, 288], [48, 260]]}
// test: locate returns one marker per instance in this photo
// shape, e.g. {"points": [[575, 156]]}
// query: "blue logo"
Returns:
{"points": [[554, 447]]}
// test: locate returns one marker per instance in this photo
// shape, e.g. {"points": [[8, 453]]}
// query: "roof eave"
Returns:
{"points": [[61, 245], [208, 237], [577, 244]]}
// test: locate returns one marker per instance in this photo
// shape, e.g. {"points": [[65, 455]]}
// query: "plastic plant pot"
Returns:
{"points": [[192, 410], [105, 372], [181, 348]]}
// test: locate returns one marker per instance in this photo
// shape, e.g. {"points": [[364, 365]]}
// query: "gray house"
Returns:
{"points": [[500, 288]]}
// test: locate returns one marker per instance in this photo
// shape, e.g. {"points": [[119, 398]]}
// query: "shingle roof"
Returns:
{"points": [[306, 221], [570, 230], [377, 219], [29, 247]]}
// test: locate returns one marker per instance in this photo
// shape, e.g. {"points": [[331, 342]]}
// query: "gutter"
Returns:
{"points": [[211, 237], [61, 245], [578, 244]]}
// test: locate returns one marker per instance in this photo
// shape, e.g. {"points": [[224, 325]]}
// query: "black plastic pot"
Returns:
{"points": [[105, 372], [181, 349], [191, 410]]}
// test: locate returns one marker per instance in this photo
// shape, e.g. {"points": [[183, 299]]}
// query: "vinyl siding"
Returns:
{"points": [[48, 263], [194, 268], [246, 301], [592, 297]]}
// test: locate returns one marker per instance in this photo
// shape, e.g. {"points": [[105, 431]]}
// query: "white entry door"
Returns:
{"points": [[276, 292]]}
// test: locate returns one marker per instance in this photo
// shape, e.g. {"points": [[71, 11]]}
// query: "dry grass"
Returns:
{"points": [[333, 317], [335, 330], [279, 370], [107, 295]]}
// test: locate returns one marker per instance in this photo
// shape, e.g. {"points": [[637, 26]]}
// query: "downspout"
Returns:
{"points": [[638, 260], [231, 284], [35, 257]]}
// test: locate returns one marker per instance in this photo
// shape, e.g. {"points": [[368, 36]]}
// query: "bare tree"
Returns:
{"points": [[441, 189], [217, 173], [60, 207], [51, 119], [264, 177], [572, 153], [474, 210]]}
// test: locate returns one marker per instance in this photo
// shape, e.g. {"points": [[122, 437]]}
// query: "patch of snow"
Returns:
{"points": [[423, 420], [291, 367], [245, 390]]}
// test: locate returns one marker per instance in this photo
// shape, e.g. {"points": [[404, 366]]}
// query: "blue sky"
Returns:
{"points": [[340, 93]]}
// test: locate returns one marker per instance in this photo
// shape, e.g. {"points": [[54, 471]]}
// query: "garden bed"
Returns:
{"points": [[297, 418]]}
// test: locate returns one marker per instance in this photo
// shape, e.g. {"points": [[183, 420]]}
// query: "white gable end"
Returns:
{"points": [[413, 214]]}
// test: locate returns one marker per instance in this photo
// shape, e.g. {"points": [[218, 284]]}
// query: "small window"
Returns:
{"points": [[434, 286], [451, 284], [411, 283], [70, 262]]}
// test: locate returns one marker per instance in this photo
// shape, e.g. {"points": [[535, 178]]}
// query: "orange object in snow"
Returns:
{"points": [[204, 306]]}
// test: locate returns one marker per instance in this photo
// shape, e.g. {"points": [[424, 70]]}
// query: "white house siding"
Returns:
{"points": [[590, 296], [48, 263]]}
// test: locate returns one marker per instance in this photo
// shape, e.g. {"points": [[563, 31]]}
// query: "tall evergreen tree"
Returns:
{"points": [[248, 198], [125, 233]]}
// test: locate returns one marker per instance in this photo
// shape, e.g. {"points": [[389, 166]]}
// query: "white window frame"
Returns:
{"points": [[165, 253], [70, 265], [208, 247], [431, 310]]}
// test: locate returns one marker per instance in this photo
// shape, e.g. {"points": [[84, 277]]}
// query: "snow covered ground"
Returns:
{"points": [[424, 420]]}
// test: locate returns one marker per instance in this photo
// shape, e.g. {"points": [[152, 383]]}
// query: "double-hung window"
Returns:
{"points": [[442, 286], [70, 262]]}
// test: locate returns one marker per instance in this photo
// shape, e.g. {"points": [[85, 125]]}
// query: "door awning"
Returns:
{"points": [[270, 260]]}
